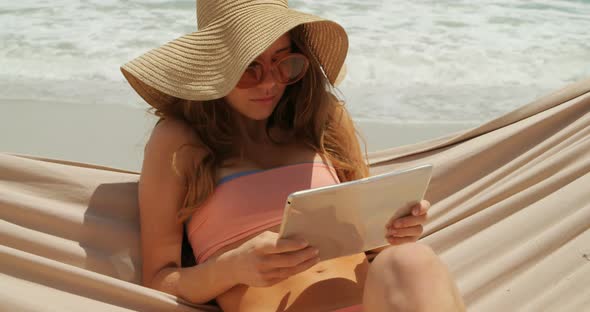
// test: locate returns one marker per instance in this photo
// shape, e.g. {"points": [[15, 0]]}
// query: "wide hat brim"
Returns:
{"points": [[207, 64]]}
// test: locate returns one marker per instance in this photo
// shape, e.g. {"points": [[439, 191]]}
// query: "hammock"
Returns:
{"points": [[510, 217]]}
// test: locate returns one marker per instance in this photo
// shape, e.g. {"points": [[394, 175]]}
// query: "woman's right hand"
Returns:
{"points": [[266, 260]]}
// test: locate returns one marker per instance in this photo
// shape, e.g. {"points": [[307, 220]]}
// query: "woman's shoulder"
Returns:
{"points": [[173, 131], [173, 140], [172, 134]]}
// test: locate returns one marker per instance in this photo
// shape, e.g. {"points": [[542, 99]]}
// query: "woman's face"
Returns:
{"points": [[259, 102]]}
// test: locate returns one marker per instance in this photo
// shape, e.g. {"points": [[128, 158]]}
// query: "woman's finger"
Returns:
{"points": [[421, 208], [409, 221], [401, 240], [289, 259], [418, 209], [285, 272], [406, 232]]}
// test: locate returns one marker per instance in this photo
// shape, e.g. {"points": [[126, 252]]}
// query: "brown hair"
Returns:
{"points": [[308, 108]]}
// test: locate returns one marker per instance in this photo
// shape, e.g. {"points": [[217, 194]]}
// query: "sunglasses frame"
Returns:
{"points": [[274, 71]]}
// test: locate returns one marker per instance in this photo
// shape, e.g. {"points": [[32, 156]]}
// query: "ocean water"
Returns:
{"points": [[409, 61]]}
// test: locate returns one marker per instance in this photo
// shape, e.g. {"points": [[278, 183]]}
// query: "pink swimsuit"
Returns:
{"points": [[251, 202]]}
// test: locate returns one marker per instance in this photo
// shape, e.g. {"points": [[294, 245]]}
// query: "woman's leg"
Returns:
{"points": [[410, 277]]}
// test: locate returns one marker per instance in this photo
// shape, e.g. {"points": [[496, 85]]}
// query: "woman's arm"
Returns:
{"points": [[198, 284], [161, 193]]}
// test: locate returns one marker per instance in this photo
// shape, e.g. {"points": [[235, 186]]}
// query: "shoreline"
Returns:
{"points": [[115, 135]]}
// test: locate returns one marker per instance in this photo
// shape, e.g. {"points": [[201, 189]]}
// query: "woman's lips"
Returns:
{"points": [[266, 100]]}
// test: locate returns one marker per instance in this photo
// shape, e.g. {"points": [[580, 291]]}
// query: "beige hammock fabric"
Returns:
{"points": [[510, 216]]}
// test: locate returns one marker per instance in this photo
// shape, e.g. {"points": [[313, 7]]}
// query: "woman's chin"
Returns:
{"points": [[261, 114], [256, 116]]}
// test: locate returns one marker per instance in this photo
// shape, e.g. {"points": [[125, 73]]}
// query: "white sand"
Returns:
{"points": [[113, 135]]}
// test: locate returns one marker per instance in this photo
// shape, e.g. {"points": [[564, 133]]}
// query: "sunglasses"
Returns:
{"points": [[286, 70]]}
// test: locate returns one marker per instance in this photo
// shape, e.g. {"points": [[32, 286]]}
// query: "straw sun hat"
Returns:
{"points": [[207, 64]]}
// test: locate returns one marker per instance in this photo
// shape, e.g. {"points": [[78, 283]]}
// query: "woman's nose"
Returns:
{"points": [[268, 80]]}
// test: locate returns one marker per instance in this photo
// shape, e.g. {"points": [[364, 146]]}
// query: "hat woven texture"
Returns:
{"points": [[207, 64]]}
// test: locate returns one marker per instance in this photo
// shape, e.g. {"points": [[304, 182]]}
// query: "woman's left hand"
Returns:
{"points": [[409, 228]]}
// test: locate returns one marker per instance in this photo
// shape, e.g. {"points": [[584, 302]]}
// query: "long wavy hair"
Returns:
{"points": [[308, 109]]}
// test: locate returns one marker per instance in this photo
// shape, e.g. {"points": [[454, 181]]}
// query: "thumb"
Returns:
{"points": [[281, 245]]}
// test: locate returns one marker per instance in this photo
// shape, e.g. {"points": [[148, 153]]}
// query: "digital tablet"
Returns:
{"points": [[350, 217]]}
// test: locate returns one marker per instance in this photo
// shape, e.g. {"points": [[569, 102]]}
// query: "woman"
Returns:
{"points": [[247, 116]]}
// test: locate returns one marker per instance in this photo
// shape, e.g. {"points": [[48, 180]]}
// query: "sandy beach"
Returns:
{"points": [[115, 135]]}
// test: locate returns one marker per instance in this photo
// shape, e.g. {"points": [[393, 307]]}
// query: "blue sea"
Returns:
{"points": [[409, 61]]}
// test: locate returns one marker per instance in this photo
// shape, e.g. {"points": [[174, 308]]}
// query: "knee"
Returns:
{"points": [[411, 277], [411, 260]]}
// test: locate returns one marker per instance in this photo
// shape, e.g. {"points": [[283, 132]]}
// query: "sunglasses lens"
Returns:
{"points": [[252, 75], [292, 68], [287, 71]]}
